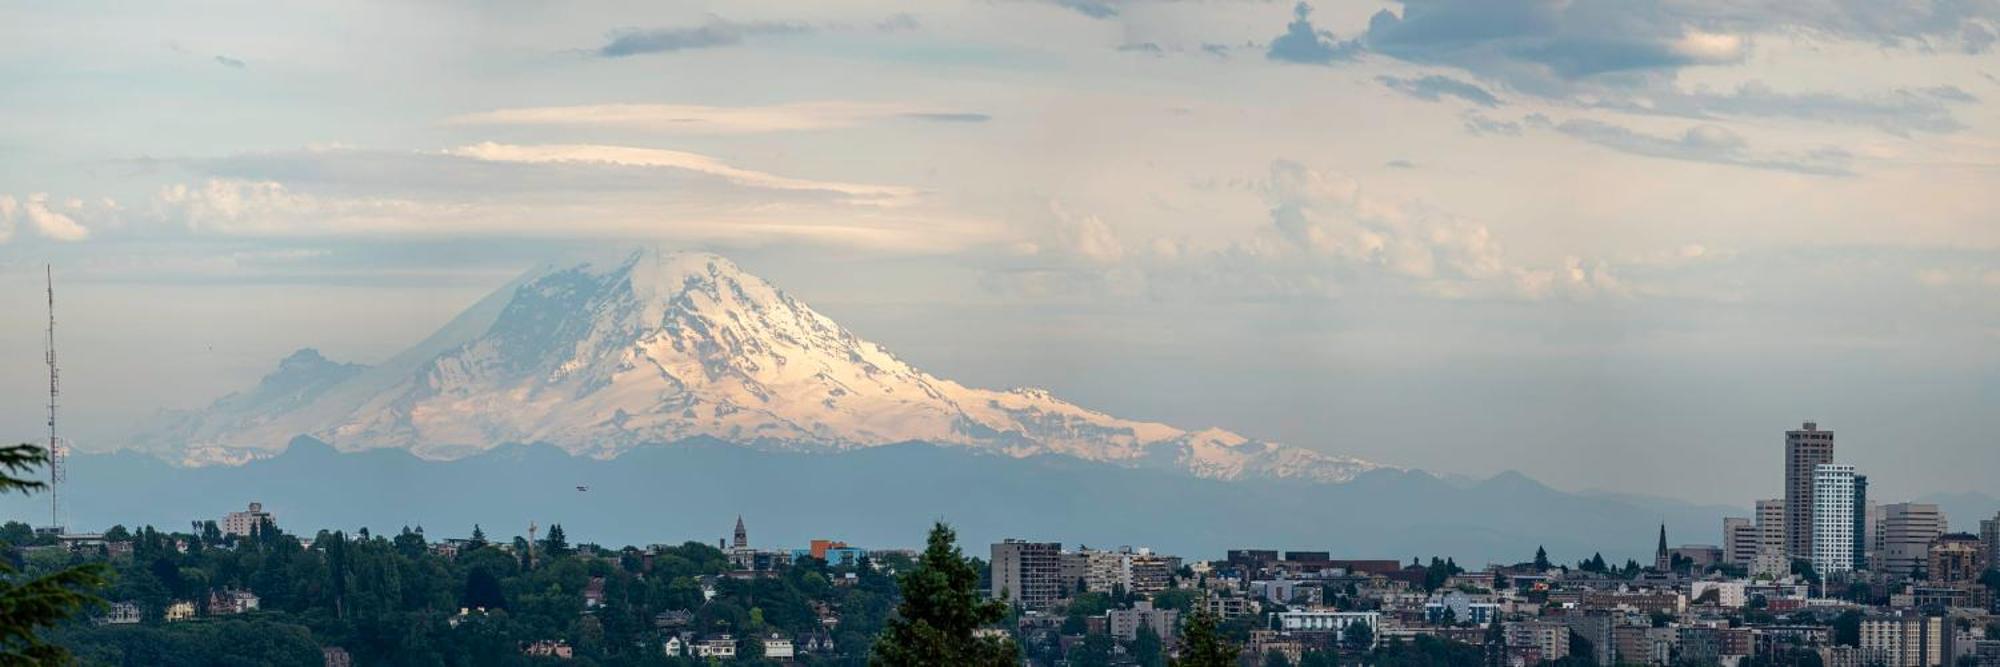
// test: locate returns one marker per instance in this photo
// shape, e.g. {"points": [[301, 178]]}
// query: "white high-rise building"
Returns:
{"points": [[1837, 516]]}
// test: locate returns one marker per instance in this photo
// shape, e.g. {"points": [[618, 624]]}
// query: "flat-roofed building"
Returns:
{"points": [[1905, 536], [1026, 573], [1903, 641], [1839, 510], [245, 522], [1805, 449]]}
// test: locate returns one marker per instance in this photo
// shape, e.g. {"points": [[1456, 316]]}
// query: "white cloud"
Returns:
{"points": [[1324, 237], [47, 222], [702, 119], [269, 209], [1327, 216], [1086, 236], [629, 156], [8, 209]]}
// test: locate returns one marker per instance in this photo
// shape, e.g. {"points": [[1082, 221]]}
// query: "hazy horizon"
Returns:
{"points": [[1622, 247]]}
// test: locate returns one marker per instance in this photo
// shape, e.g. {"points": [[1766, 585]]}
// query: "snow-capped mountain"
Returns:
{"points": [[599, 358]]}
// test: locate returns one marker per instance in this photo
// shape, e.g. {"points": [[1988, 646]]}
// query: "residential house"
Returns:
{"points": [[549, 648], [120, 613], [719, 646]]}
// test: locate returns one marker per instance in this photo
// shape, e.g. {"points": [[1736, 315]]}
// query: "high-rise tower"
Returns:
{"points": [[1839, 500], [1805, 449]]}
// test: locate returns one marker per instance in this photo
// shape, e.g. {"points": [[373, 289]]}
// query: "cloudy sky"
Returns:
{"points": [[1615, 244]]}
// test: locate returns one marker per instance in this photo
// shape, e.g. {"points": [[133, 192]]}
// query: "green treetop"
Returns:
{"points": [[941, 611], [29, 606], [1202, 644]]}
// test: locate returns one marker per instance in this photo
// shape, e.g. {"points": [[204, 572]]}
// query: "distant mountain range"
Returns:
{"points": [[600, 358], [668, 392], [875, 496]]}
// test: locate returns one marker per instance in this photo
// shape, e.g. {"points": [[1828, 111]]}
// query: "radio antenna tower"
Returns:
{"points": [[57, 449]]}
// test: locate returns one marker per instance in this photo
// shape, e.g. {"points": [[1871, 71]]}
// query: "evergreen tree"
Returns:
{"points": [[30, 605], [1541, 558], [1202, 644], [1146, 648], [482, 591], [1358, 636], [1847, 629], [556, 545], [1095, 651], [940, 613], [478, 538]]}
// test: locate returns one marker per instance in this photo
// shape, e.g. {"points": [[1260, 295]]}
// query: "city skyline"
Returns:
{"points": [[1001, 333]]}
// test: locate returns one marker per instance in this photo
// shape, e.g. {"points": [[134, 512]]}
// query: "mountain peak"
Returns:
{"points": [[653, 347]]}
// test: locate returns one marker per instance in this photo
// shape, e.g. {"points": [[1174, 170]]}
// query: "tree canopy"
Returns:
{"points": [[941, 613], [31, 605]]}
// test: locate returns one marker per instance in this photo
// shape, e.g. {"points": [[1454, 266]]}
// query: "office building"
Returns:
{"points": [[1805, 449], [1839, 510], [1027, 574], [1905, 536]]}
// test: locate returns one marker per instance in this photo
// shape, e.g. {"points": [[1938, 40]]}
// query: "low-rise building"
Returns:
{"points": [[549, 648], [1728, 594], [1903, 641], [230, 601], [1265, 642], [1124, 624], [1460, 608], [1550, 640], [1327, 620], [776, 647], [1643, 644], [719, 646], [120, 613], [1230, 606], [179, 610], [1955, 558]]}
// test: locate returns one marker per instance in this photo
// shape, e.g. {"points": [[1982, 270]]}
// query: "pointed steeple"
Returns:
{"points": [[1661, 561], [742, 540]]}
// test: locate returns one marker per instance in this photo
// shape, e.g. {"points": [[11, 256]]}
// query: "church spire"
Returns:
{"points": [[1661, 561], [742, 539]]}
